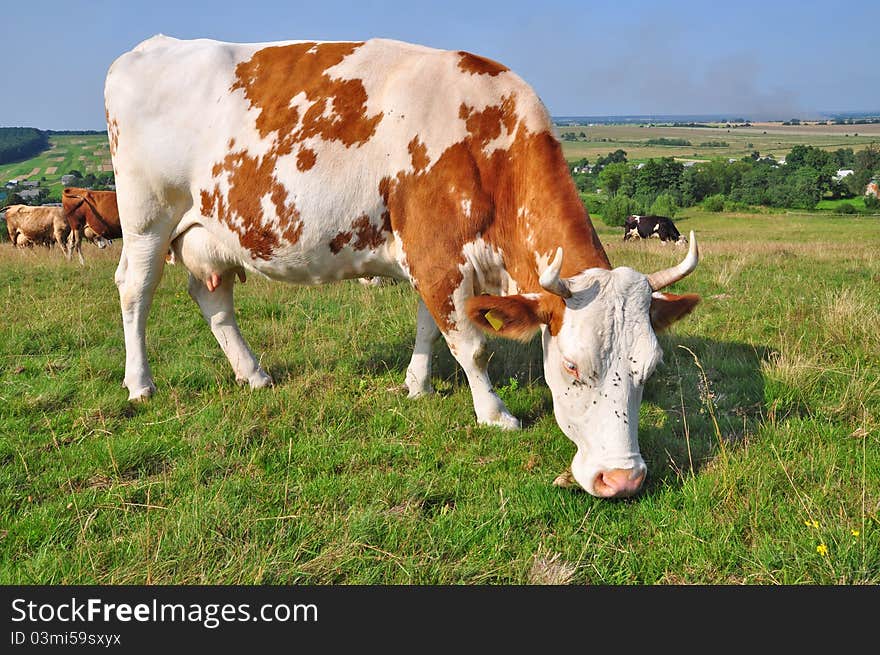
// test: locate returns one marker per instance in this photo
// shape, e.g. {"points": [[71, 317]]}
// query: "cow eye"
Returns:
{"points": [[571, 368]]}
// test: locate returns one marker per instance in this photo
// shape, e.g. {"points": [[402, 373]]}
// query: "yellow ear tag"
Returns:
{"points": [[494, 321]]}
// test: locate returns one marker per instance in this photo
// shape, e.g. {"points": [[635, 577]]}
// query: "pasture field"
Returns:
{"points": [[760, 431], [767, 138], [88, 153]]}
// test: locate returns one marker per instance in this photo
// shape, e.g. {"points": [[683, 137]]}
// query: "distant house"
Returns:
{"points": [[842, 173], [27, 194], [30, 184], [67, 180], [873, 189], [11, 184]]}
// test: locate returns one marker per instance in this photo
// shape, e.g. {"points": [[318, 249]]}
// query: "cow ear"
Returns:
{"points": [[667, 308], [512, 317]]}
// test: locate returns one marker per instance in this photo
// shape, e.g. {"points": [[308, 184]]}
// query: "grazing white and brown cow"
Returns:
{"points": [[312, 162], [93, 215], [36, 225]]}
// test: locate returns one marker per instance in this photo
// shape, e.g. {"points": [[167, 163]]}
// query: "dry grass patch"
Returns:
{"points": [[849, 317], [550, 569]]}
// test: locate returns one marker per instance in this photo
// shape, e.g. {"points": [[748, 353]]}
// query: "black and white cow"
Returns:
{"points": [[645, 227]]}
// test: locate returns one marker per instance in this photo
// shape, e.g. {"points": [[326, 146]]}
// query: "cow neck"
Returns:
{"points": [[543, 213]]}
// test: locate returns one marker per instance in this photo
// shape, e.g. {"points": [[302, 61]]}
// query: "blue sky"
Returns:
{"points": [[759, 59]]}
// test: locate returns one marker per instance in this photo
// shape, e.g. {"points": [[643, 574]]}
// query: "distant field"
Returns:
{"points": [[767, 138], [85, 153]]}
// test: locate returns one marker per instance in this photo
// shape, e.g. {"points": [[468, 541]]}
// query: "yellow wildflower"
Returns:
{"points": [[855, 533], [822, 549], [812, 523]]}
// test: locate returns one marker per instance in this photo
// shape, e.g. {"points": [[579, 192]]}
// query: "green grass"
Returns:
{"points": [[334, 476], [858, 202], [86, 153]]}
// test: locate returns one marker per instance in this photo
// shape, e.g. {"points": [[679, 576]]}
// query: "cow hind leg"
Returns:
{"points": [[140, 269], [212, 272], [219, 313], [418, 373]]}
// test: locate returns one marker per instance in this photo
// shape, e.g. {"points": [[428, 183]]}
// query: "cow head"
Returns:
{"points": [[597, 356]]}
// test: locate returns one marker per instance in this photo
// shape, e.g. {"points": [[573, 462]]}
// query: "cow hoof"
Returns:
{"points": [[420, 392], [141, 394], [566, 480], [259, 380], [504, 421]]}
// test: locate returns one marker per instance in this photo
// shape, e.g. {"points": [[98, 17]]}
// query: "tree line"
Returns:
{"points": [[663, 185], [18, 143]]}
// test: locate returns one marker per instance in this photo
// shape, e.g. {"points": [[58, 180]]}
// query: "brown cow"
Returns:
{"points": [[90, 214], [29, 225]]}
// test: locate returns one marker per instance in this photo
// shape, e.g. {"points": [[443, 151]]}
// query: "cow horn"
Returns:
{"points": [[550, 279], [664, 278]]}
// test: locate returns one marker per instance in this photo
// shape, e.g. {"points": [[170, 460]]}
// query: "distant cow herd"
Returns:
{"points": [[83, 214]]}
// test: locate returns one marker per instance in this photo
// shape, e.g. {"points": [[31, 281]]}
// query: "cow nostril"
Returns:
{"points": [[618, 482]]}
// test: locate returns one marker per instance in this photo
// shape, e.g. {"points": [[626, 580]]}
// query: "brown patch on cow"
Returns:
{"points": [[522, 201], [486, 126], [112, 133], [331, 109], [250, 179], [340, 241], [274, 76], [253, 232], [305, 159], [418, 152], [477, 65], [368, 235]]}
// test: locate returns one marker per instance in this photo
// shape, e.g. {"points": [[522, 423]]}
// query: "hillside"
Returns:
{"points": [[86, 153]]}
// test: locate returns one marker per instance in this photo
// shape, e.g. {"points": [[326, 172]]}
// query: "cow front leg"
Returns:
{"points": [[468, 346], [219, 313], [418, 373], [137, 276]]}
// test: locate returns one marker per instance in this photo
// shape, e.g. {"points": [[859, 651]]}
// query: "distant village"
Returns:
{"points": [[33, 191]]}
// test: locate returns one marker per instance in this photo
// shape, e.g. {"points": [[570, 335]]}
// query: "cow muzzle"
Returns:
{"points": [[619, 483]]}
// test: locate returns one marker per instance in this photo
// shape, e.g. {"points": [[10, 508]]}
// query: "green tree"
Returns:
{"points": [[659, 176], [664, 205], [613, 176], [714, 203], [616, 210]]}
